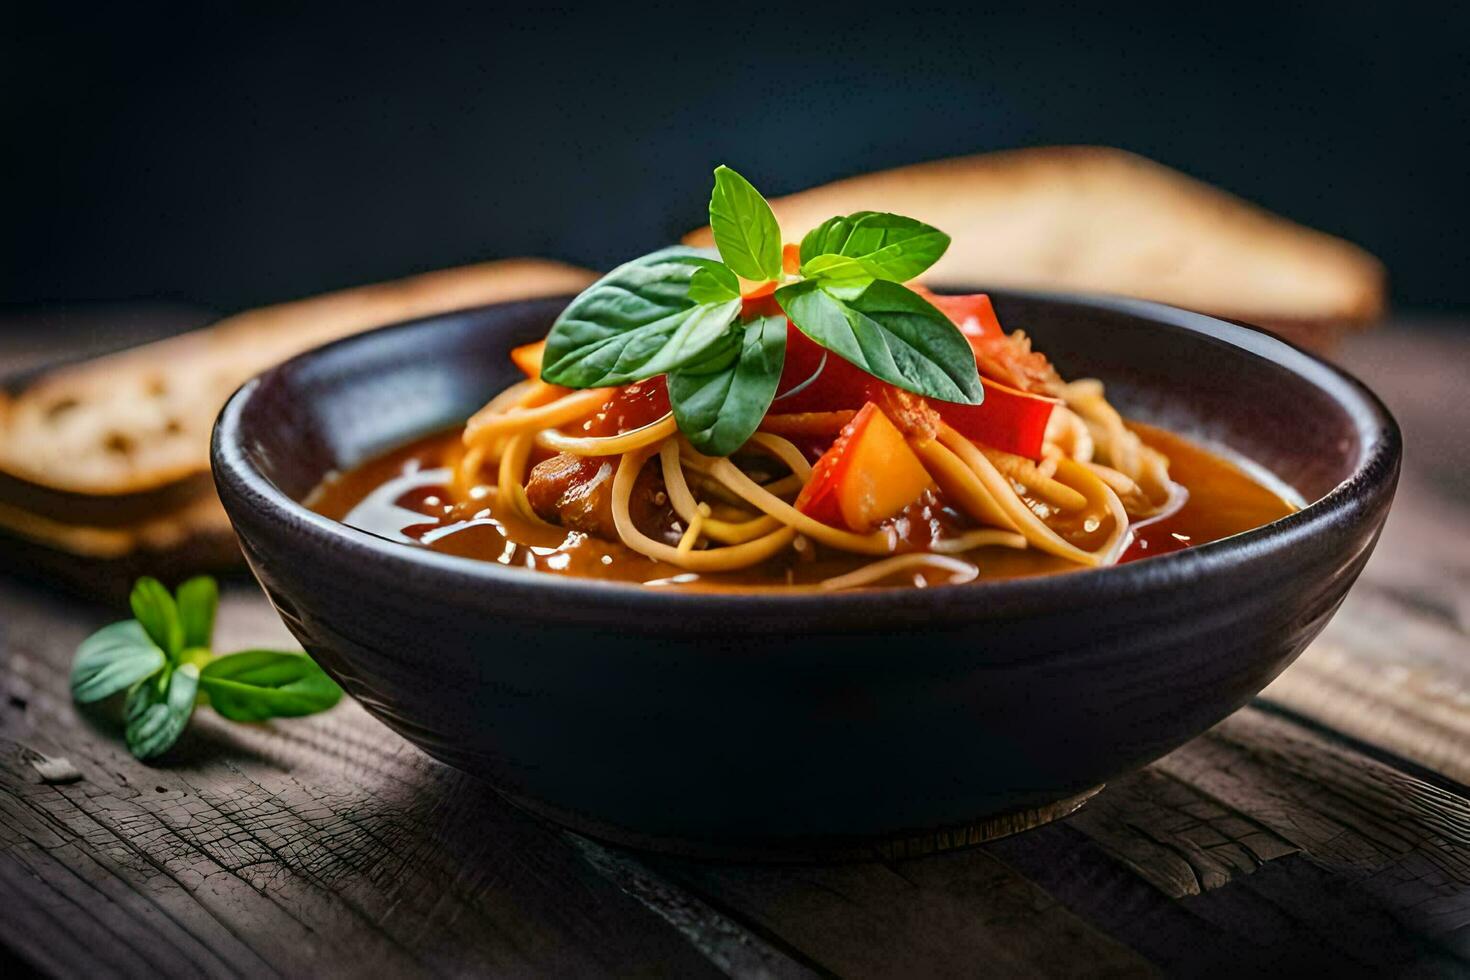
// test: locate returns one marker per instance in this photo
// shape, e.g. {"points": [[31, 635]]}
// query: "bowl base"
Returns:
{"points": [[820, 849]]}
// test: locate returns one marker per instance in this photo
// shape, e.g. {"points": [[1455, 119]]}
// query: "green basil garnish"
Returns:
{"points": [[713, 283], [678, 312], [719, 409], [162, 659], [890, 332], [745, 229]]}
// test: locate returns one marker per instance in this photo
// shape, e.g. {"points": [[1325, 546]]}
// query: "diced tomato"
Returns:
{"points": [[790, 259], [869, 475]]}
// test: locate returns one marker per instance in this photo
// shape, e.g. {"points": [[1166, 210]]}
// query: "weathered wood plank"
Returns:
{"points": [[1395, 838], [322, 846], [1259, 847], [1287, 918], [1174, 837], [729, 946], [265, 819], [1264, 847]]}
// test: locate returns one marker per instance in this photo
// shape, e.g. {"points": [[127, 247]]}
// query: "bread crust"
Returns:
{"points": [[130, 431], [1095, 219]]}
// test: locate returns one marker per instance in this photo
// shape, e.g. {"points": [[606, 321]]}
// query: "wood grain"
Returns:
{"points": [[327, 847]]}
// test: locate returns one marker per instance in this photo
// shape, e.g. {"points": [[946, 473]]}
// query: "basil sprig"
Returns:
{"points": [[162, 660], [679, 312]]}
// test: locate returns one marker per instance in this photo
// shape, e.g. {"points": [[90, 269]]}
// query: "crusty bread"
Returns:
{"points": [[1101, 220], [138, 421], [104, 464]]}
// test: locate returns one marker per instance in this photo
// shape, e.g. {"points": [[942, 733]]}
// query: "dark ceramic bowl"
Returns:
{"points": [[789, 724]]}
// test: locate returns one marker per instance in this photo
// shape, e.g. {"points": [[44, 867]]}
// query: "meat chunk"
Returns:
{"points": [[576, 493]]}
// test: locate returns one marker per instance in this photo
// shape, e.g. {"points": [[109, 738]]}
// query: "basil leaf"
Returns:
{"points": [[745, 230], [829, 236], [198, 599], [877, 244], [113, 659], [158, 709], [714, 284], [155, 609], [890, 332], [636, 322], [259, 684], [720, 409]]}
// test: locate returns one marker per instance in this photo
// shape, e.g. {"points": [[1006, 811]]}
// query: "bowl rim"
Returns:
{"points": [[1374, 474]]}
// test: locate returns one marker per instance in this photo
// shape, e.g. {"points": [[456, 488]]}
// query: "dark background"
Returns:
{"points": [[226, 158]]}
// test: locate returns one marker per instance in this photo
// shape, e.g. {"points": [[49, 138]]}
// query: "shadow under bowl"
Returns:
{"points": [[809, 725]]}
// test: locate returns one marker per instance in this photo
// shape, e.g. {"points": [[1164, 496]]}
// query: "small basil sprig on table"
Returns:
{"points": [[162, 659], [679, 312]]}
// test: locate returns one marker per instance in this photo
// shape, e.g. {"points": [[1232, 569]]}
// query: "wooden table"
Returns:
{"points": [[1325, 826]]}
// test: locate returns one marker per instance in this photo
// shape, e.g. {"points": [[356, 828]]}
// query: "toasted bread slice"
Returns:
{"points": [[129, 425], [1093, 219]]}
